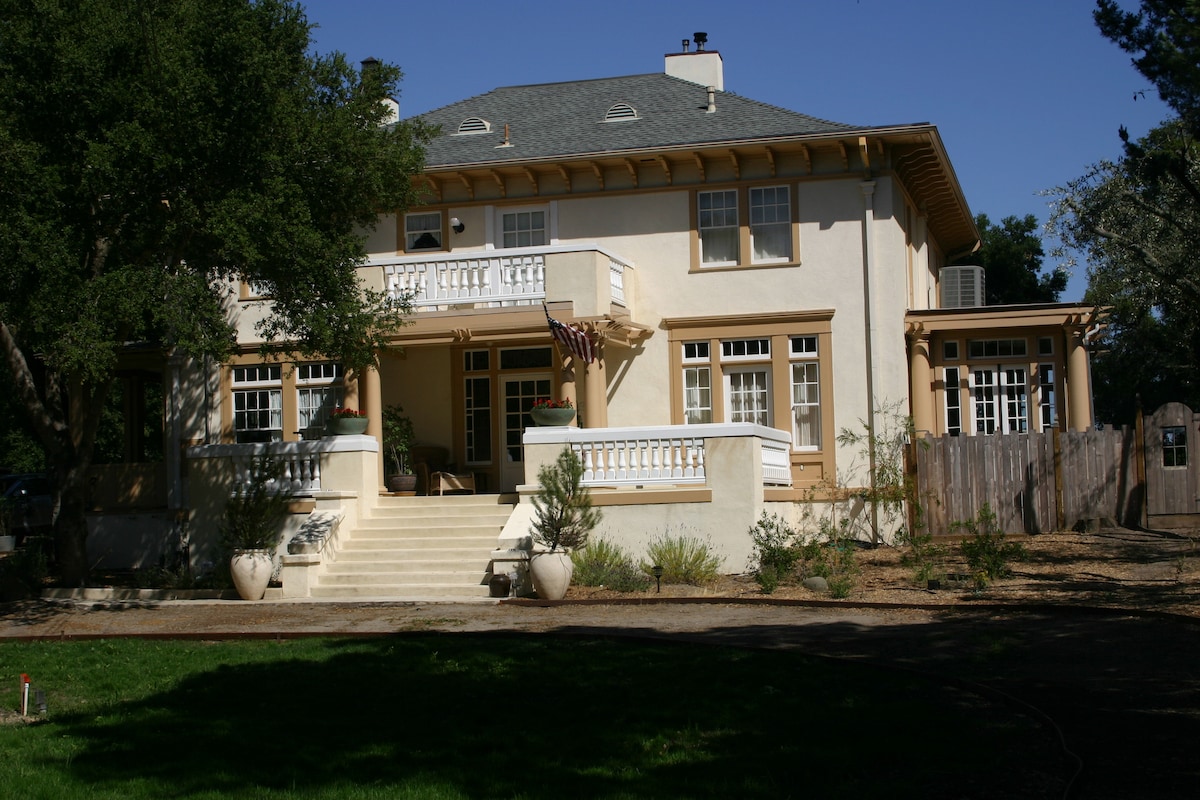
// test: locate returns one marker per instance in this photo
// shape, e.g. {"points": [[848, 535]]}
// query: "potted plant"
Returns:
{"points": [[552, 412], [563, 519], [252, 526], [398, 438], [344, 421]]}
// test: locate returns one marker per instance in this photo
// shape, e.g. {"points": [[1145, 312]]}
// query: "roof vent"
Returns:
{"points": [[701, 39], [474, 125], [962, 287], [621, 112]]}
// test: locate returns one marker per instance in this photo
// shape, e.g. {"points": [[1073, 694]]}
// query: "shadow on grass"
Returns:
{"points": [[546, 717]]}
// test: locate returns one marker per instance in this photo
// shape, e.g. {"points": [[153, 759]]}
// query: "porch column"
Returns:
{"points": [[370, 401], [567, 389], [596, 386], [920, 381], [1078, 382]]}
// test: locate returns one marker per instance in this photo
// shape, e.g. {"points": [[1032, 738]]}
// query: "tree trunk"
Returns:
{"points": [[70, 525]]}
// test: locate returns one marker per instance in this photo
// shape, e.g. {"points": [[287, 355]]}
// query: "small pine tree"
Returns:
{"points": [[563, 516]]}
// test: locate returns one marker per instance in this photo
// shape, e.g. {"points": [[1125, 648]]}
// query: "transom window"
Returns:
{"points": [[745, 348], [770, 224], [693, 351], [423, 231], [718, 226], [996, 348]]}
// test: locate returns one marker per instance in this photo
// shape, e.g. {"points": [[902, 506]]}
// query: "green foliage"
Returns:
{"points": [[684, 559], [877, 470], [398, 438], [153, 157], [23, 572], [563, 513], [1011, 255], [254, 516], [602, 563], [988, 556], [775, 552]]}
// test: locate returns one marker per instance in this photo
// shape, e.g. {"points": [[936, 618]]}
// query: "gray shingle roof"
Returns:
{"points": [[556, 120]]}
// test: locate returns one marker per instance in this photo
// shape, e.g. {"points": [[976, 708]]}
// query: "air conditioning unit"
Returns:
{"points": [[962, 287]]}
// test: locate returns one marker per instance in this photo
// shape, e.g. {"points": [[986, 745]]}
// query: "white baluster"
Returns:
{"points": [[656, 460], [315, 462], [611, 471], [589, 468], [623, 461], [644, 468]]}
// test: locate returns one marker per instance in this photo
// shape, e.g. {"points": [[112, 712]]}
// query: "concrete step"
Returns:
{"points": [[398, 592], [438, 563], [478, 544], [440, 577], [369, 526]]}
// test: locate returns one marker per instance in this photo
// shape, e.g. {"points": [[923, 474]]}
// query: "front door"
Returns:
{"points": [[518, 394]]}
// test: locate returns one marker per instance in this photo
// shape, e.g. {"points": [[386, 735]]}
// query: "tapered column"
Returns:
{"points": [[370, 401], [920, 377], [1079, 380], [596, 387], [567, 390]]}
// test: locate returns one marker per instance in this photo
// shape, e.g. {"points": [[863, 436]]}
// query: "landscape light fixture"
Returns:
{"points": [[658, 571]]}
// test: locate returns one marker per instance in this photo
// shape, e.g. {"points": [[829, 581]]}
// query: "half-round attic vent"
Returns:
{"points": [[474, 125], [620, 112]]}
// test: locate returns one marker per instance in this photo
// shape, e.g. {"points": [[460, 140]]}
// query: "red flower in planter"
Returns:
{"points": [[547, 403], [346, 413]]}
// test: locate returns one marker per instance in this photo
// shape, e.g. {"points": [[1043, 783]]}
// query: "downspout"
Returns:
{"points": [[868, 190]]}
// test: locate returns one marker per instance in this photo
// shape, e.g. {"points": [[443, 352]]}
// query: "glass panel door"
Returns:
{"points": [[519, 393]]}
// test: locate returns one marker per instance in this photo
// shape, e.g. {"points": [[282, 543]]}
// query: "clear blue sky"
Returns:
{"points": [[1026, 93]]}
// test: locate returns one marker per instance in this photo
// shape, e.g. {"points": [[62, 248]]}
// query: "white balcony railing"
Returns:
{"points": [[670, 454], [487, 278], [299, 462]]}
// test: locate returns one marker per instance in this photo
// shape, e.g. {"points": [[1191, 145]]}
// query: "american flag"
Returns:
{"points": [[576, 341]]}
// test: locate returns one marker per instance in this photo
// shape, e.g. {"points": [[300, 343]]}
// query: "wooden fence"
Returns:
{"points": [[1034, 482]]}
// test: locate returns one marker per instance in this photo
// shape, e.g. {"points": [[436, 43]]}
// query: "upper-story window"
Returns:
{"points": [[771, 224], [523, 228], [423, 231], [718, 226]]}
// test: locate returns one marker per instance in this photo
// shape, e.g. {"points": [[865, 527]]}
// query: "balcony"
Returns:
{"points": [[592, 277]]}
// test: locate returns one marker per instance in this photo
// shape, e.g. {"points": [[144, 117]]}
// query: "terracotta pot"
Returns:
{"points": [[550, 417], [251, 572], [347, 426], [551, 574]]}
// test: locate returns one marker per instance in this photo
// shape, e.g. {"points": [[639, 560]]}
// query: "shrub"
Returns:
{"points": [[563, 513], [775, 553], [254, 516], [988, 556], [684, 559], [603, 563]]}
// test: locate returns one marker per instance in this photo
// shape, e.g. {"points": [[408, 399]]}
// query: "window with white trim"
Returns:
{"points": [[1047, 397], [996, 348], [806, 393], [748, 394], [770, 224], [257, 403], [953, 402], [423, 231], [318, 391], [697, 383], [718, 227], [1001, 399], [738, 349], [523, 228]]}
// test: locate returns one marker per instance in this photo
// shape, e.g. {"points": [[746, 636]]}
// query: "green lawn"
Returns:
{"points": [[464, 716]]}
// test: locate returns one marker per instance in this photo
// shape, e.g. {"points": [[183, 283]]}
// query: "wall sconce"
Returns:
{"points": [[457, 225]]}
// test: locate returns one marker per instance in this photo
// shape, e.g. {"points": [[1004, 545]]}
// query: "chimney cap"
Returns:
{"points": [[700, 38]]}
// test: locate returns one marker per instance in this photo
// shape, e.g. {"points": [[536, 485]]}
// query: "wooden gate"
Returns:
{"points": [[1172, 446]]}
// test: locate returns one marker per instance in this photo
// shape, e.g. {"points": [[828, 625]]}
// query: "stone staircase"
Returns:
{"points": [[418, 548]]}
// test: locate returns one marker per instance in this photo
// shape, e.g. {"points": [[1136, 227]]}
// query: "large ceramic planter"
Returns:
{"points": [[347, 426], [551, 574], [549, 417], [402, 484], [251, 572]]}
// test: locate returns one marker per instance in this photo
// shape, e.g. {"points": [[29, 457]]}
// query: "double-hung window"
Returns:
{"points": [[806, 393], [318, 391], [771, 224], [257, 403], [423, 231], [718, 226]]}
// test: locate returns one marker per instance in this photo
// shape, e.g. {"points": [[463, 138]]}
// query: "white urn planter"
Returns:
{"points": [[251, 572], [551, 574]]}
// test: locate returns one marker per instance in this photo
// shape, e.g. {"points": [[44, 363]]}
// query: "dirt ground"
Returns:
{"points": [[1112, 568]]}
